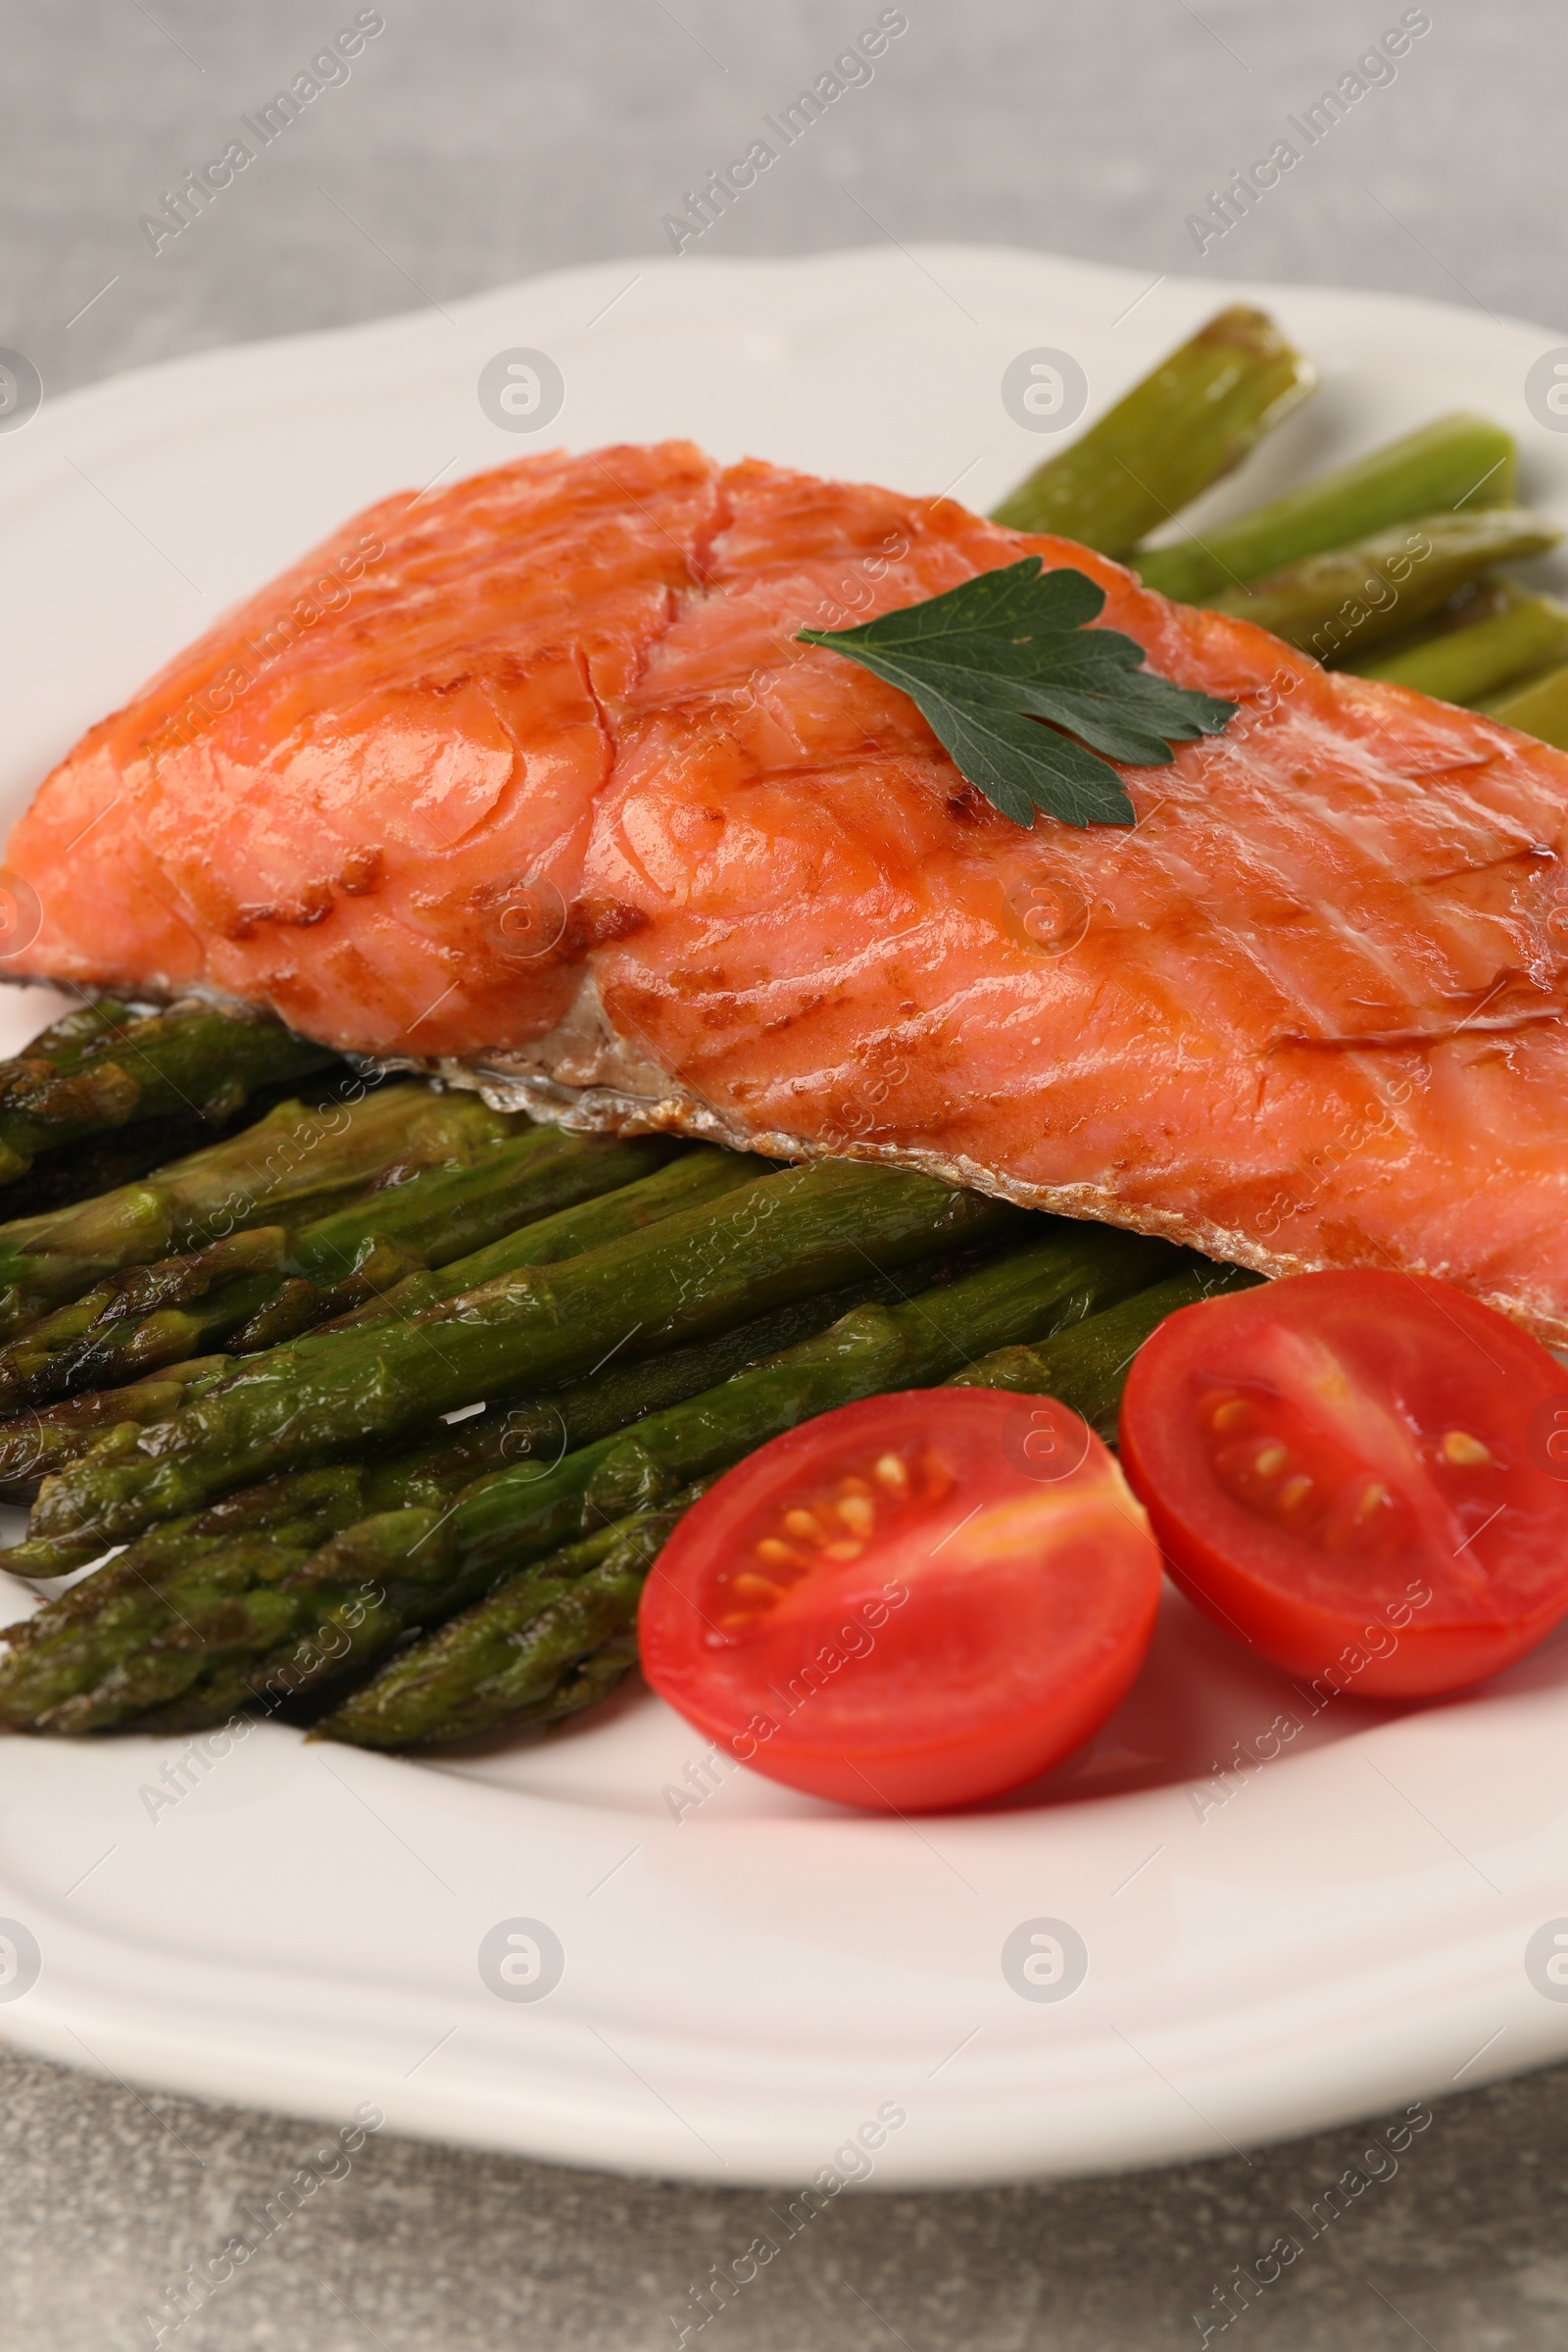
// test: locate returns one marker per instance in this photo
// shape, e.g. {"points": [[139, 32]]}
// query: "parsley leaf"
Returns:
{"points": [[1007, 675]]}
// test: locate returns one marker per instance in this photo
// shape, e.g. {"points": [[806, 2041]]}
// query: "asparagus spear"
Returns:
{"points": [[694, 1274], [34, 1444], [1086, 1366], [104, 1164], [293, 1157], [1538, 707], [541, 1429], [555, 1636], [551, 1641], [435, 1472], [1193, 419], [1335, 605], [250, 1297], [66, 1040], [414, 1565], [100, 1071], [335, 1388], [192, 1591], [1464, 666], [1453, 462]]}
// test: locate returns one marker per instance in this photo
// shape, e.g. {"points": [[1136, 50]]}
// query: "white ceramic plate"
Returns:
{"points": [[747, 1983]]}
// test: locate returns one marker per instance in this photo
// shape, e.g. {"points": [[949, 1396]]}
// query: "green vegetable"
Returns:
{"points": [[414, 1564], [989, 660], [1453, 462], [1178, 430], [1338, 604], [1463, 666], [295, 1156], [200, 1587], [1039, 1288], [695, 1177], [542, 1429], [101, 1066], [34, 1444], [1538, 708], [1086, 1366], [547, 1642], [37, 1443], [269, 1284], [692, 1275]]}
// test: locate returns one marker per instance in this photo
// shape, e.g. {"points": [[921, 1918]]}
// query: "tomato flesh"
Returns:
{"points": [[915, 1601], [1354, 1472]]}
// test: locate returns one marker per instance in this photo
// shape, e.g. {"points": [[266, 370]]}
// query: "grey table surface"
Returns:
{"points": [[483, 140]]}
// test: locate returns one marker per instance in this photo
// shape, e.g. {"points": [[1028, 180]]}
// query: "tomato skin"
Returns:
{"points": [[966, 1652], [1479, 1573]]}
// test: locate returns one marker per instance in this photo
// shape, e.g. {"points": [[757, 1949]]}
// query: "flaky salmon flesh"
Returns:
{"points": [[530, 783]]}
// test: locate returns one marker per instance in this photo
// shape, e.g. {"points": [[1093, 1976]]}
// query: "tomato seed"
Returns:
{"points": [[857, 1513], [1294, 1490], [890, 1471], [805, 1526], [1271, 1461], [939, 1479], [847, 1549], [1463, 1450]]}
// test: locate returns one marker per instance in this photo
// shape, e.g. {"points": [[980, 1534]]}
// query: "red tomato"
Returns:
{"points": [[914, 1601], [1364, 1476]]}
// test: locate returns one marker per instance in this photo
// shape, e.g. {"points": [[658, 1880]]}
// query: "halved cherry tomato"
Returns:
{"points": [[1355, 1473], [917, 1601]]}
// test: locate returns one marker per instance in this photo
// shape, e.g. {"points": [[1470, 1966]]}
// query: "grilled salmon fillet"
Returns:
{"points": [[530, 783]]}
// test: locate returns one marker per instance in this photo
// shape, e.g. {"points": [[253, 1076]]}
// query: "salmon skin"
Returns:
{"points": [[528, 784]]}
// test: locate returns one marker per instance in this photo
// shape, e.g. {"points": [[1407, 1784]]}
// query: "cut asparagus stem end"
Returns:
{"points": [[1177, 431]]}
